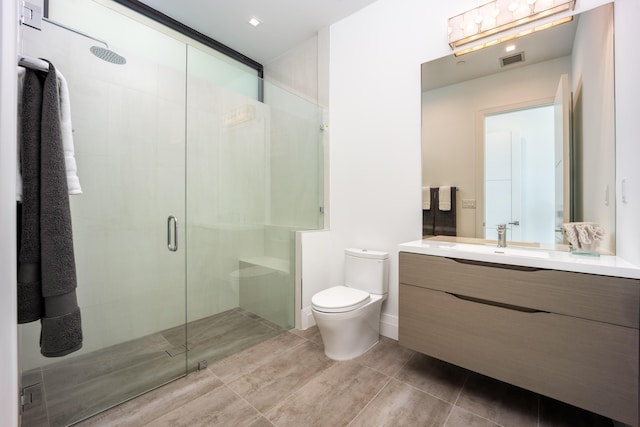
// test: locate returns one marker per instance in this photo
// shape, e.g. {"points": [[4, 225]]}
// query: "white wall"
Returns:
{"points": [[627, 70], [8, 315], [297, 69], [375, 132]]}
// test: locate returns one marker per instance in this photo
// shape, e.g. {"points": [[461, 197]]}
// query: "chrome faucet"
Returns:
{"points": [[502, 235]]}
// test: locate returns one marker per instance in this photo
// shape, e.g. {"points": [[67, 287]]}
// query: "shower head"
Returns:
{"points": [[108, 55], [103, 53]]}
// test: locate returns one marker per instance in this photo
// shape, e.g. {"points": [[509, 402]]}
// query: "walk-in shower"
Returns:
{"points": [[180, 131]]}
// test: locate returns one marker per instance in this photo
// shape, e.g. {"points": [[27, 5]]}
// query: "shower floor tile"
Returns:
{"points": [[79, 387]]}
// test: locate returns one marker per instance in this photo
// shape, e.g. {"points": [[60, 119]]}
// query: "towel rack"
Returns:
{"points": [[33, 63]]}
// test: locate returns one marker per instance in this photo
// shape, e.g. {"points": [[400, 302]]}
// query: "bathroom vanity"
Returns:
{"points": [[561, 325]]}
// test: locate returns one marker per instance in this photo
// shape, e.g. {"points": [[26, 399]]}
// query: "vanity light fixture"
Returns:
{"points": [[254, 21], [514, 36], [501, 15]]}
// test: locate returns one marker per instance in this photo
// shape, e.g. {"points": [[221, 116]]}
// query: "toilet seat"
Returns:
{"points": [[339, 299]]}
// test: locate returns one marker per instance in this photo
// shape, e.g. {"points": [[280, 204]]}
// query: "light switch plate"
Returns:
{"points": [[468, 203]]}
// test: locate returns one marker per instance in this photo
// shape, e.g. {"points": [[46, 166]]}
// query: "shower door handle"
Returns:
{"points": [[172, 233]]}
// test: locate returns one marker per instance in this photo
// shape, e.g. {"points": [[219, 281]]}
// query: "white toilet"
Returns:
{"points": [[348, 316]]}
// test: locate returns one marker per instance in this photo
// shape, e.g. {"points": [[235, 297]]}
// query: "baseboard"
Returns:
{"points": [[306, 318], [389, 326]]}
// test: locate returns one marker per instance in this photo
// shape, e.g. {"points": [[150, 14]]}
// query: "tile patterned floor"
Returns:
{"points": [[81, 386], [288, 381]]}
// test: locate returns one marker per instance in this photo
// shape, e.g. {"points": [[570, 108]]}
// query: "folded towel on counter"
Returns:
{"points": [[583, 235], [426, 198], [444, 197], [66, 128]]}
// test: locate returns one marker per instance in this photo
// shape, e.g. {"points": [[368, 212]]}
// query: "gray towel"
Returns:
{"points": [[30, 301], [61, 324]]}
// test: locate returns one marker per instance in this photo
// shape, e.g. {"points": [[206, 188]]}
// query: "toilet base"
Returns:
{"points": [[350, 334]]}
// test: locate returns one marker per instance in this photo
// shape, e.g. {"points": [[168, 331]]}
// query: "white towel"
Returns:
{"points": [[73, 183], [426, 198], [444, 195]]}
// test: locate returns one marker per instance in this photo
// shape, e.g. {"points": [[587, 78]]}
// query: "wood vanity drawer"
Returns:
{"points": [[607, 299], [589, 364]]}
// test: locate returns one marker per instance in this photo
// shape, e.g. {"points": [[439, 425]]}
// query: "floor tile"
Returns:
{"points": [[462, 418], [499, 402], [261, 422], [332, 398], [220, 407], [69, 403], [400, 404], [242, 363], [96, 364], [158, 402], [558, 414], [440, 379], [270, 383], [176, 335], [227, 336], [387, 356], [312, 334]]}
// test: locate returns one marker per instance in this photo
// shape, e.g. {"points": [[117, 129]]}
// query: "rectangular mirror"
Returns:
{"points": [[460, 93]]}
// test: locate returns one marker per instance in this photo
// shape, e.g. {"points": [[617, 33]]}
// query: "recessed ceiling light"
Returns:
{"points": [[510, 48], [255, 21]]}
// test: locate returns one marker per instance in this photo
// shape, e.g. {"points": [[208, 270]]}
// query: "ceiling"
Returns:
{"points": [[285, 23], [539, 46]]}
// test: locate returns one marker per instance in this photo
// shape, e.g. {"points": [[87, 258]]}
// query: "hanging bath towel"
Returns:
{"points": [[46, 223]]}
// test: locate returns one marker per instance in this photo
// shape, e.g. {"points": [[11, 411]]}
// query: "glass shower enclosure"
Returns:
{"points": [[193, 188]]}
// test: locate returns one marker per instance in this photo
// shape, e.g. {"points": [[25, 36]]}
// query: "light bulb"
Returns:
{"points": [[470, 29]]}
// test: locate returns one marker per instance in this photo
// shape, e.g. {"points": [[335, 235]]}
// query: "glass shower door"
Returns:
{"points": [[254, 177], [128, 225]]}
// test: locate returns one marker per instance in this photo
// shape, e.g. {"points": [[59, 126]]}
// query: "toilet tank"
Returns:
{"points": [[367, 270]]}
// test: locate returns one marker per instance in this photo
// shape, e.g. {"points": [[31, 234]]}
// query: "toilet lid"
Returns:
{"points": [[339, 299]]}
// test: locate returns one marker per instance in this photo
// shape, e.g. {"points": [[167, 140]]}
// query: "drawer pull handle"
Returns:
{"points": [[495, 265], [497, 304]]}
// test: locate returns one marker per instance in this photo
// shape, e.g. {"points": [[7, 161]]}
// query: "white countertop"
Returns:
{"points": [[605, 265]]}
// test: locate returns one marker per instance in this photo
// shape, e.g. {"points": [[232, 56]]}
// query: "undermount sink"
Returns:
{"points": [[536, 253], [490, 249]]}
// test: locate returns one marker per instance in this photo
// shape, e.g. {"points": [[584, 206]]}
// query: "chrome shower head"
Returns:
{"points": [[108, 55], [103, 53]]}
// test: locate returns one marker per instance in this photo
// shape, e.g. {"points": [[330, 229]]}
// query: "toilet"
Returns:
{"points": [[348, 316]]}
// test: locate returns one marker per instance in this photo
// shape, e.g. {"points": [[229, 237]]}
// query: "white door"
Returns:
{"points": [[503, 195]]}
